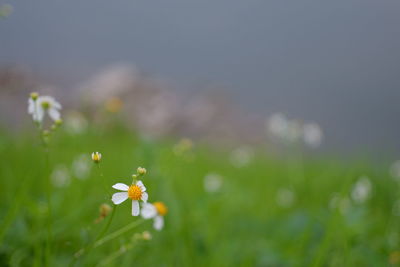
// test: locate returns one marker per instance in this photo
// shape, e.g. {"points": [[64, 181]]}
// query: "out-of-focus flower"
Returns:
{"points": [[395, 170], [104, 210], [293, 131], [339, 202], [155, 211], [361, 190], [312, 134], [184, 145], [241, 156], [96, 157], [212, 182], [146, 235], [81, 166], [60, 176], [42, 105], [75, 122], [114, 104], [285, 197], [5, 10], [136, 192], [277, 124]]}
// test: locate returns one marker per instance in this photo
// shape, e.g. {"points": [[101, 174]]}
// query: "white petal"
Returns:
{"points": [[39, 114], [158, 223], [135, 208], [141, 185], [120, 197], [56, 104], [145, 197], [148, 211], [54, 114], [31, 106], [121, 186]]}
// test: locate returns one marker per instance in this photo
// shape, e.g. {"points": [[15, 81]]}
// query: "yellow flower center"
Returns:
{"points": [[161, 208], [134, 192], [45, 105]]}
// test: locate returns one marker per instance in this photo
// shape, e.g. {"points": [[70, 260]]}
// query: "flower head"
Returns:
{"points": [[96, 157], [136, 191], [38, 106], [155, 211]]}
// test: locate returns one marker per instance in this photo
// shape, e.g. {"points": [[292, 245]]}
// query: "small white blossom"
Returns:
{"points": [[42, 105], [285, 197], [81, 166], [361, 190], [60, 176], [241, 156], [395, 170], [212, 183], [155, 211], [312, 135], [136, 192]]}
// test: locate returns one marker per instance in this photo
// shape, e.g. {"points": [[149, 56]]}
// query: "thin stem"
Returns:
{"points": [[49, 209], [118, 232]]}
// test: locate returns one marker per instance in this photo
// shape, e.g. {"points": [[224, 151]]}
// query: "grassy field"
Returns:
{"points": [[274, 211]]}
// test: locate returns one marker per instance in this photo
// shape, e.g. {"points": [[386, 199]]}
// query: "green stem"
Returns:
{"points": [[49, 209]]}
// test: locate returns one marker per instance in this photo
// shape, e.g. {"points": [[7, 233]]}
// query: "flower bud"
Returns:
{"points": [[59, 122], [96, 157], [34, 96], [105, 209], [141, 171]]}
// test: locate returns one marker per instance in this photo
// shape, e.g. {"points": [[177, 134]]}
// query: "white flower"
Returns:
{"points": [[60, 176], [395, 170], [241, 156], [135, 192], [312, 134], [81, 166], [277, 124], [155, 211], [285, 197], [96, 157], [38, 108], [212, 182], [361, 190]]}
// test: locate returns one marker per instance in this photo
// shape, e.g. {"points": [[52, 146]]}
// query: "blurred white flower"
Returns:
{"points": [[60, 176], [285, 197], [81, 166], [155, 211], [312, 134], [75, 123], [293, 131], [241, 156], [361, 190], [212, 182], [395, 170], [339, 202], [277, 124], [38, 108], [135, 192]]}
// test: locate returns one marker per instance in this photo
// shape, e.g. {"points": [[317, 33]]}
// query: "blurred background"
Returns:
{"points": [[334, 63], [269, 129]]}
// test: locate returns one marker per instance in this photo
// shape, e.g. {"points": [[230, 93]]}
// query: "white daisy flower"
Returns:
{"points": [[312, 135], [155, 211], [135, 191], [38, 107]]}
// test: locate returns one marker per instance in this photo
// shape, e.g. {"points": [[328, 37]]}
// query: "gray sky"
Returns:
{"points": [[334, 62]]}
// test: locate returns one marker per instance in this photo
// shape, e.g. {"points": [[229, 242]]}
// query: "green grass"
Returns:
{"points": [[241, 225]]}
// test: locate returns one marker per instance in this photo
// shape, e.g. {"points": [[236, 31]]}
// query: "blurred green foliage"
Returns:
{"points": [[242, 224]]}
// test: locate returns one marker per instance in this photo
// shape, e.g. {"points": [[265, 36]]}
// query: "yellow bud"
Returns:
{"points": [[105, 209], [34, 96], [58, 122], [96, 157], [141, 171], [146, 235]]}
